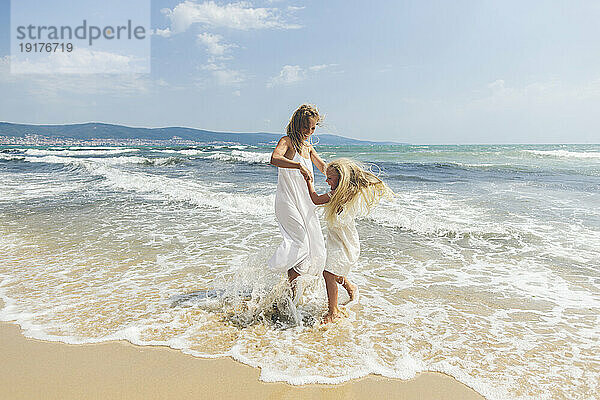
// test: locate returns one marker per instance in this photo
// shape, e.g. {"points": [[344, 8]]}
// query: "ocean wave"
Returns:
{"points": [[40, 152], [170, 151], [565, 154], [185, 152], [90, 148], [242, 156], [191, 152], [236, 155], [175, 189], [232, 146], [8, 157], [138, 160], [53, 159], [12, 151], [438, 215]]}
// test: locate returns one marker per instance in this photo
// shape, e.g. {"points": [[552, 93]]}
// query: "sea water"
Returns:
{"points": [[485, 266]]}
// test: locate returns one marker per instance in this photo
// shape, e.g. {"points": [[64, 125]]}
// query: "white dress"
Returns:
{"points": [[343, 245], [303, 246]]}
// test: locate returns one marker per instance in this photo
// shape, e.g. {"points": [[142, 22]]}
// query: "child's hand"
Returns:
{"points": [[305, 173]]}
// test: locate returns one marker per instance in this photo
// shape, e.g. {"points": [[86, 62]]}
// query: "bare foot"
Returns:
{"points": [[351, 289], [333, 315]]}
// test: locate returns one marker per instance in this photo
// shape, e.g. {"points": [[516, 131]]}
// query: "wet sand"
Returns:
{"points": [[36, 369]]}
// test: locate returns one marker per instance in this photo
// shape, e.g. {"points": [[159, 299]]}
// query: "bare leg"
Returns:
{"points": [[292, 275], [331, 282], [346, 284]]}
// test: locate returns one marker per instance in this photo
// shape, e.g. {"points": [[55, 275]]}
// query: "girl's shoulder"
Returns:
{"points": [[284, 144], [286, 139]]}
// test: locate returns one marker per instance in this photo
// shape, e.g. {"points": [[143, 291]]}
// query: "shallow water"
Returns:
{"points": [[486, 266]]}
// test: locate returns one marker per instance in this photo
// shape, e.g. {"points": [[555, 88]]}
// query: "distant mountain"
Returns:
{"points": [[109, 131]]}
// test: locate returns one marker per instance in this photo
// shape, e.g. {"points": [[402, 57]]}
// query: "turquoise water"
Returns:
{"points": [[486, 265]]}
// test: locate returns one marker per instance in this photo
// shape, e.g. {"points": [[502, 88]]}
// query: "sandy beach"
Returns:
{"points": [[35, 369]]}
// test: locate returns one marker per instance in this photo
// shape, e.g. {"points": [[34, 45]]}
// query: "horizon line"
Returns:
{"points": [[278, 133]]}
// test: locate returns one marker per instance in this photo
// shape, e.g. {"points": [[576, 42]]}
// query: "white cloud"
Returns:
{"points": [[291, 74], [538, 92], [58, 86], [162, 32], [225, 76], [321, 67], [79, 61], [228, 77], [497, 86], [214, 44], [239, 16], [528, 105], [210, 15]]}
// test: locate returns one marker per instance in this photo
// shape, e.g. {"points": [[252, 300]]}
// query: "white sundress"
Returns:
{"points": [[303, 246], [343, 245]]}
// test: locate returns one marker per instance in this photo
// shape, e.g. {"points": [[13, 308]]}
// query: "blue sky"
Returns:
{"points": [[411, 71]]}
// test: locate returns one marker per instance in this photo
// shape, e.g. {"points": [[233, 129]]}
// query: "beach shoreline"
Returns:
{"points": [[482, 268], [33, 368]]}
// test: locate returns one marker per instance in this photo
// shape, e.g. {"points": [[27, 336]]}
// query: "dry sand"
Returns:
{"points": [[35, 369]]}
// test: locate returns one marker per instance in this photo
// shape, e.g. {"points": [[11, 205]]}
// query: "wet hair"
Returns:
{"points": [[301, 120], [357, 193]]}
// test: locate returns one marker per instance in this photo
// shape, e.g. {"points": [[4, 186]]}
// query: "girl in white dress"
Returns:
{"points": [[302, 250], [354, 192]]}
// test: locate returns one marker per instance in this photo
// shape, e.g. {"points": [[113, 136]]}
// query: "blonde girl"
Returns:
{"points": [[302, 250], [354, 192]]}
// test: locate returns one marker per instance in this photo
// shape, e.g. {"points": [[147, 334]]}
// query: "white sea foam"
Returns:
{"points": [[170, 151], [91, 148], [235, 155], [53, 159], [192, 152], [186, 152], [230, 145], [434, 214], [172, 188], [135, 160], [565, 153], [243, 156], [40, 152], [183, 190], [10, 157], [13, 189]]}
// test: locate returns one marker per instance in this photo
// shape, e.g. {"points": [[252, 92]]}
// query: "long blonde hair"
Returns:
{"points": [[299, 120], [357, 193]]}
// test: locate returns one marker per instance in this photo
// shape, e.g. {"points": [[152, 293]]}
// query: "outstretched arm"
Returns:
{"points": [[316, 159], [278, 158], [316, 198]]}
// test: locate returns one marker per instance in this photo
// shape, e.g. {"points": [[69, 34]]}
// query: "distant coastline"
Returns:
{"points": [[101, 134]]}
